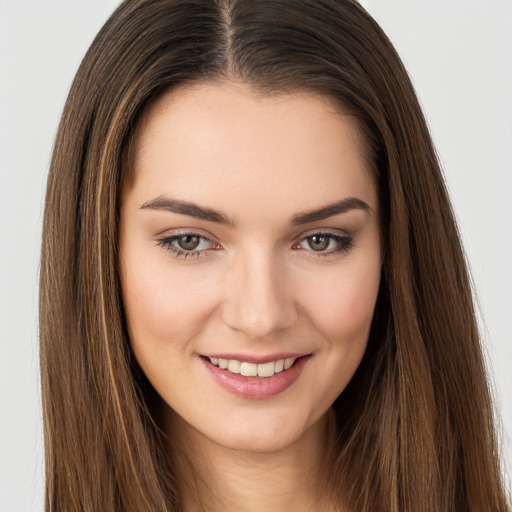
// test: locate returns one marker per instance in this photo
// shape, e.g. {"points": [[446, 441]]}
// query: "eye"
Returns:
{"points": [[325, 243], [187, 245], [188, 242]]}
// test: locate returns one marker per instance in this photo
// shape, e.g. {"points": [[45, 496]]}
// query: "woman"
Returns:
{"points": [[253, 294]]}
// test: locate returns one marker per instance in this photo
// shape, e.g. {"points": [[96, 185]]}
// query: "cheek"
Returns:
{"points": [[340, 314], [164, 307], [343, 312], [343, 315]]}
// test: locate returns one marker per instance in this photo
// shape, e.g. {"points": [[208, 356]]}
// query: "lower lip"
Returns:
{"points": [[256, 388]]}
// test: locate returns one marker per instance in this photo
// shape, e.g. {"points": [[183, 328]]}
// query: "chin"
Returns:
{"points": [[264, 434], [258, 442]]}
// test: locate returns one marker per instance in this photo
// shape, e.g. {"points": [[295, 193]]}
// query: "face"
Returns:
{"points": [[250, 260]]}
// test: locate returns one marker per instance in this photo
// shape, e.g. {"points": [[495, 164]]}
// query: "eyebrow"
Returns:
{"points": [[343, 206], [210, 215], [190, 209]]}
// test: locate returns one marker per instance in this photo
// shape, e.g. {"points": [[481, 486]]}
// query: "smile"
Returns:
{"points": [[258, 378], [248, 369]]}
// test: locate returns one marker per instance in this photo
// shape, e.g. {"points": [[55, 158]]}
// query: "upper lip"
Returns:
{"points": [[256, 359]]}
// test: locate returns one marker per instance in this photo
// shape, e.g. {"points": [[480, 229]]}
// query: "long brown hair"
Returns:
{"points": [[415, 425]]}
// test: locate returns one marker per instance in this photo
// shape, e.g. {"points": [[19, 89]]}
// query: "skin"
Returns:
{"points": [[256, 287]]}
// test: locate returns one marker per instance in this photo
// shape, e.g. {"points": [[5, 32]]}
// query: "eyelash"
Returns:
{"points": [[345, 243], [167, 244]]}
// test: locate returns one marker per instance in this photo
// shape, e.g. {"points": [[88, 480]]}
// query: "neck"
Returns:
{"points": [[214, 478]]}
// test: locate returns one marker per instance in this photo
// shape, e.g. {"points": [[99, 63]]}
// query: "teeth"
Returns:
{"points": [[288, 363], [234, 366], [252, 369], [266, 369], [249, 369]]}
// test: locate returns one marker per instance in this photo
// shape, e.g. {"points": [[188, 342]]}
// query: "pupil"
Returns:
{"points": [[318, 242], [188, 242]]}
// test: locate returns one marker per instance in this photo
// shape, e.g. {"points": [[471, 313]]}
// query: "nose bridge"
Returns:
{"points": [[259, 301]]}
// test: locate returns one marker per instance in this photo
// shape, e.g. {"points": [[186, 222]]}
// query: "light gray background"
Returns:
{"points": [[459, 53]]}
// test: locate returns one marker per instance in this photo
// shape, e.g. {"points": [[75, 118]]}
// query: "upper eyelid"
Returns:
{"points": [[323, 231], [171, 238], [333, 236], [167, 243], [168, 234]]}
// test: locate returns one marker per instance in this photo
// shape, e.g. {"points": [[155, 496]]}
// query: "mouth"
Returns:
{"points": [[258, 378], [249, 369]]}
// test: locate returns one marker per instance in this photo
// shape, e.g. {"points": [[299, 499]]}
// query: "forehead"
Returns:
{"points": [[224, 145]]}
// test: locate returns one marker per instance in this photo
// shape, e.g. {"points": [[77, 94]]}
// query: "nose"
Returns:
{"points": [[259, 299]]}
